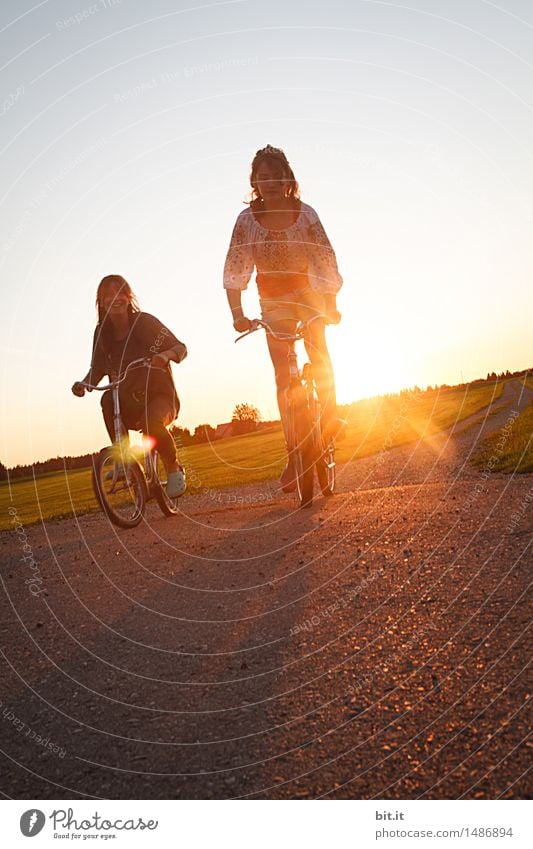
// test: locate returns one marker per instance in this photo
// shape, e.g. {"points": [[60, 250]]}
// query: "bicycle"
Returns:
{"points": [[121, 483], [310, 450]]}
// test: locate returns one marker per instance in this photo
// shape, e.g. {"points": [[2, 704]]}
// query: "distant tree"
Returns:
{"points": [[180, 435], [246, 413], [204, 433], [3, 472]]}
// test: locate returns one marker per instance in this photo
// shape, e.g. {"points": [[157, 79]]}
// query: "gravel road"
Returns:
{"points": [[375, 646]]}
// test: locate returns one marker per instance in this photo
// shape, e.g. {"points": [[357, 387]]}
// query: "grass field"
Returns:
{"points": [[374, 425], [510, 450]]}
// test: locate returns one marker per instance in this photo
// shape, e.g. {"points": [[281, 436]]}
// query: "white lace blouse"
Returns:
{"points": [[301, 251]]}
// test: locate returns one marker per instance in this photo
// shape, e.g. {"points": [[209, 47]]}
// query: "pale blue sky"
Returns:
{"points": [[126, 142]]}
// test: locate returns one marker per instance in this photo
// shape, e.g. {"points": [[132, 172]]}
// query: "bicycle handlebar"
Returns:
{"points": [[142, 362], [301, 327]]}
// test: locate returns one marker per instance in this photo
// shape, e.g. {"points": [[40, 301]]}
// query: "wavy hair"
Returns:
{"points": [[276, 159]]}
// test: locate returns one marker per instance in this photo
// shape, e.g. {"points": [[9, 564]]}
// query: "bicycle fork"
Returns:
{"points": [[119, 442], [117, 420]]}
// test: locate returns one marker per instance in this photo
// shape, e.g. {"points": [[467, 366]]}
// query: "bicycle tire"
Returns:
{"points": [[168, 506], [124, 504], [325, 469], [303, 451], [325, 451]]}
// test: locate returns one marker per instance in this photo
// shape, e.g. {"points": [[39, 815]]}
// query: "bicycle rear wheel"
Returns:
{"points": [[324, 448], [168, 506], [120, 487]]}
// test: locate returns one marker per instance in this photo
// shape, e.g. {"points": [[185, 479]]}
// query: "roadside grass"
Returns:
{"points": [[374, 425], [512, 450], [378, 424]]}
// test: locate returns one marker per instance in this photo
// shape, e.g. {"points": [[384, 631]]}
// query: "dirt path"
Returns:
{"points": [[375, 646]]}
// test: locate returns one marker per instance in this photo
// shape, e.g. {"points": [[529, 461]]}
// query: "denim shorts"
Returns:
{"points": [[295, 306]]}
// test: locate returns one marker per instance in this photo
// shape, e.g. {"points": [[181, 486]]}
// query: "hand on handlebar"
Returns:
{"points": [[333, 316], [242, 325], [331, 313], [160, 360], [78, 389]]}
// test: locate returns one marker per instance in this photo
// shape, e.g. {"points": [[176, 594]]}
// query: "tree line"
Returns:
{"points": [[246, 415]]}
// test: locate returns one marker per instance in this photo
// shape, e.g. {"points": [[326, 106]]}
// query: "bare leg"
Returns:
{"points": [[278, 354], [317, 349], [159, 413]]}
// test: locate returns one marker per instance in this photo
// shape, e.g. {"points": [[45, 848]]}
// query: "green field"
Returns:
{"points": [[510, 450], [374, 425]]}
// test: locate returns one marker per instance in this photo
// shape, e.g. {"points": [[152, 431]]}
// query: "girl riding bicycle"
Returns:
{"points": [[148, 397], [296, 274]]}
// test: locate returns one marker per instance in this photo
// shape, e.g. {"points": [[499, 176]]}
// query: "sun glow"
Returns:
{"points": [[364, 367]]}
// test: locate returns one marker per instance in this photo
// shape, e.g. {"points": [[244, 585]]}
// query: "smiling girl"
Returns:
{"points": [[296, 274], [148, 397]]}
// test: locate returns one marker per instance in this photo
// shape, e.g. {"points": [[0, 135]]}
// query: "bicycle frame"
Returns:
{"points": [[139, 478], [304, 440], [292, 359], [118, 425], [301, 327], [291, 338]]}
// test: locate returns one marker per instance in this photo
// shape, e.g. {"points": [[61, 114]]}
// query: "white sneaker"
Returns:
{"points": [[176, 484]]}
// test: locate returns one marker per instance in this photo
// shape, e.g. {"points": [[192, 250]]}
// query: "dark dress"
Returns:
{"points": [[148, 397]]}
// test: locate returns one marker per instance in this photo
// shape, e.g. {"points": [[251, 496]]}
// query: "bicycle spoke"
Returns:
{"points": [[120, 488]]}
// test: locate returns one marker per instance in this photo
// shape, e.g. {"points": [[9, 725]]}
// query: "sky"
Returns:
{"points": [[127, 132]]}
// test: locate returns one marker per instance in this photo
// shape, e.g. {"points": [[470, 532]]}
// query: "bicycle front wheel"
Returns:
{"points": [[120, 487], [302, 445], [325, 452], [325, 469]]}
